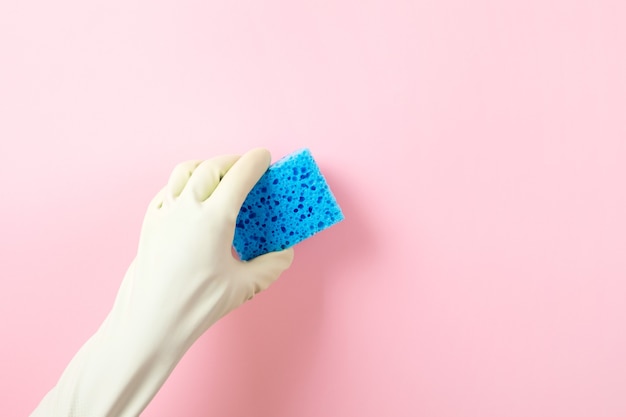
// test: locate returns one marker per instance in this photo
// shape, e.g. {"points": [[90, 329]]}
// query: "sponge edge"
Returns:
{"points": [[290, 203]]}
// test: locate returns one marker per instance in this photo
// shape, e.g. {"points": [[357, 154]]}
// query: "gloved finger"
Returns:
{"points": [[179, 177], [263, 270], [157, 201], [207, 176], [239, 180]]}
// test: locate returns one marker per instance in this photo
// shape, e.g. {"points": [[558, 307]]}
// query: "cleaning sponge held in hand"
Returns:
{"points": [[291, 202]]}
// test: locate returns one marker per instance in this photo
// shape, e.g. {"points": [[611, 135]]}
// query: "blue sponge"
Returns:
{"points": [[291, 202]]}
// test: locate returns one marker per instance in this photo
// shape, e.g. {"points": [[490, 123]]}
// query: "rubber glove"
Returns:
{"points": [[183, 279]]}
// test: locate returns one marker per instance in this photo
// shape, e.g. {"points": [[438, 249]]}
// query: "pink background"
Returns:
{"points": [[477, 148]]}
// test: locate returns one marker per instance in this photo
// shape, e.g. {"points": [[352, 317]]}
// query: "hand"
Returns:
{"points": [[183, 279], [185, 276]]}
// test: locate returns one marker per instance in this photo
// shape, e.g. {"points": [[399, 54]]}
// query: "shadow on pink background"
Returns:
{"points": [[477, 149]]}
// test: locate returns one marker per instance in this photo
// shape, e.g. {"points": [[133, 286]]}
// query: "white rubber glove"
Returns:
{"points": [[183, 279]]}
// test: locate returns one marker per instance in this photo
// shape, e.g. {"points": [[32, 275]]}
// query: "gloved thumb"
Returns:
{"points": [[265, 269]]}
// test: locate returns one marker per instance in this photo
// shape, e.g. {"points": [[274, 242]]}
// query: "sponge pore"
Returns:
{"points": [[290, 203]]}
